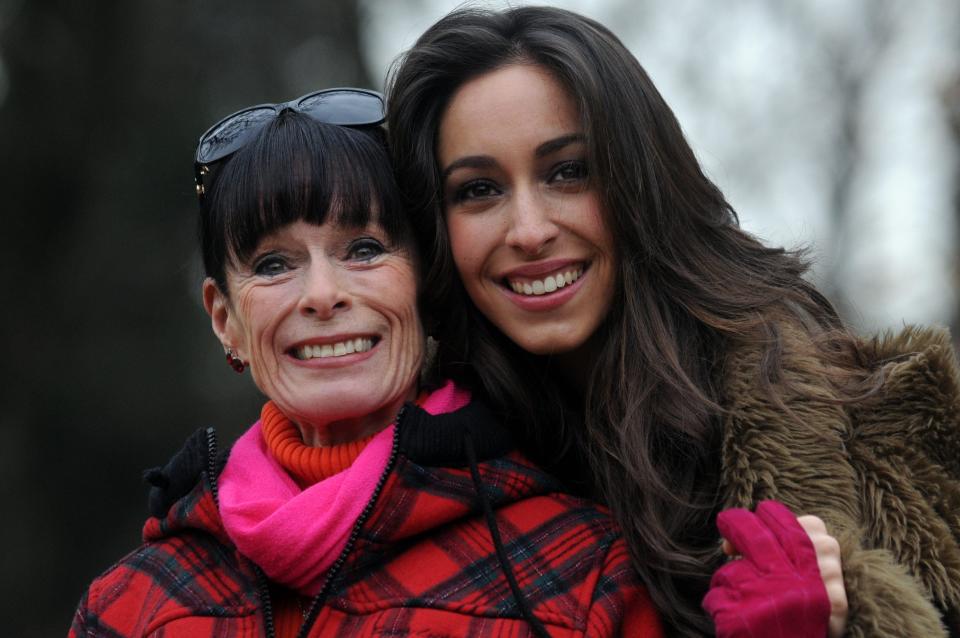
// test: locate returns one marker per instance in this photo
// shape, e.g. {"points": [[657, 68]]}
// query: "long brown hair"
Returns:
{"points": [[690, 282]]}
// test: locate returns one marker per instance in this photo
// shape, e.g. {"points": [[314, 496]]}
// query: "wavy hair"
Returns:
{"points": [[646, 437]]}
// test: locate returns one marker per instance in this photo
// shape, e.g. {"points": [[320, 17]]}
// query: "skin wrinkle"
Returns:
{"points": [[323, 292]]}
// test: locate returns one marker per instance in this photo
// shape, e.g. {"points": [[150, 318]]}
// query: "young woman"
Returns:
{"points": [[360, 504], [652, 350]]}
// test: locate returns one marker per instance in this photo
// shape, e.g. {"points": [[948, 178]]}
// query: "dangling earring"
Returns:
{"points": [[235, 362]]}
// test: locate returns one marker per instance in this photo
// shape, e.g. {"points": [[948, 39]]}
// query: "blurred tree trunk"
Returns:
{"points": [[951, 103], [110, 361]]}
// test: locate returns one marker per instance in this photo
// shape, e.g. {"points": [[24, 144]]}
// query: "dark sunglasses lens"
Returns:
{"points": [[344, 108], [231, 134]]}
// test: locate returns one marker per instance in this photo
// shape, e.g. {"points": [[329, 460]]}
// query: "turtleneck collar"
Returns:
{"points": [[305, 464]]}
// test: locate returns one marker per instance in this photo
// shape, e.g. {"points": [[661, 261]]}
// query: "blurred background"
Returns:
{"points": [[832, 125]]}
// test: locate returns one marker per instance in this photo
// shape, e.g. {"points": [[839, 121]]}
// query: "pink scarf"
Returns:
{"points": [[295, 535]]}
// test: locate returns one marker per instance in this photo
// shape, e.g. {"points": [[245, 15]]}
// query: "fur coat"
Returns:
{"points": [[883, 473]]}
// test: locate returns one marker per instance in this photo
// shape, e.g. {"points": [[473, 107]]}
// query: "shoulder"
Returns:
{"points": [[574, 567], [186, 567], [189, 574], [905, 447], [917, 407], [882, 470], [914, 420], [620, 605], [785, 427], [582, 551], [920, 376]]}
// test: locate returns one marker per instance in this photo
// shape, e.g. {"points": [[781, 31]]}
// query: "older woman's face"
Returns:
{"points": [[327, 318], [526, 227]]}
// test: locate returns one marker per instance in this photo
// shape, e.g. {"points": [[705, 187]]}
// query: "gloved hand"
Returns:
{"points": [[775, 590]]}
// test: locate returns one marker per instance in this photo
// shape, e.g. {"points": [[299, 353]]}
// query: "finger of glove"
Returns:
{"points": [[725, 606], [791, 536], [768, 611], [720, 598], [736, 575], [731, 617], [753, 539]]}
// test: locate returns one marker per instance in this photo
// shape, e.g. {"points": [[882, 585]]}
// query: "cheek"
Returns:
{"points": [[397, 295], [252, 323], [467, 242], [597, 227], [257, 317]]}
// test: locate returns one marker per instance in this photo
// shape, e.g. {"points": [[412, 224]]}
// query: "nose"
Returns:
{"points": [[532, 227], [323, 295]]}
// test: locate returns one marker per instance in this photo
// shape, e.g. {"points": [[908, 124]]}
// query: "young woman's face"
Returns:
{"points": [[327, 318], [526, 227]]}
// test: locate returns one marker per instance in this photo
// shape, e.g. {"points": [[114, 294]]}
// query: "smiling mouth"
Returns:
{"points": [[338, 349], [551, 283]]}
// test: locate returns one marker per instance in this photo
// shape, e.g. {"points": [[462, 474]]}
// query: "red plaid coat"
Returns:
{"points": [[422, 560]]}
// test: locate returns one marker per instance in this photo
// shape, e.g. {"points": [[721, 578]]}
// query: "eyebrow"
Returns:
{"points": [[471, 161], [554, 145], [485, 161]]}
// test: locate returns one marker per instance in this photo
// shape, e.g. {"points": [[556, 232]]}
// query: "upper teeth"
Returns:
{"points": [[360, 344], [549, 284]]}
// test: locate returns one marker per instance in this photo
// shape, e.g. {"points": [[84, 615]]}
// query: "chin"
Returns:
{"points": [[549, 346]]}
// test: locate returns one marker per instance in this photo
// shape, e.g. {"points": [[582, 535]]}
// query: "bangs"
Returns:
{"points": [[298, 169]]}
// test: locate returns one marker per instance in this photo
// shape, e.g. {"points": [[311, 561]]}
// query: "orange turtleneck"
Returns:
{"points": [[307, 465]]}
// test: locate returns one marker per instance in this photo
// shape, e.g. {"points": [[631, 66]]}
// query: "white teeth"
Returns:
{"points": [[338, 349], [549, 284]]}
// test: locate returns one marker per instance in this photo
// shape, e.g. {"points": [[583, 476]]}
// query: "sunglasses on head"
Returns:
{"points": [[355, 108]]}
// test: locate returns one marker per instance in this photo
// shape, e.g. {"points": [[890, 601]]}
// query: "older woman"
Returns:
{"points": [[360, 504], [616, 310]]}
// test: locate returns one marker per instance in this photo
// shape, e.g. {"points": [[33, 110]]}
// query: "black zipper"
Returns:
{"points": [[212, 465], [317, 603], [263, 587]]}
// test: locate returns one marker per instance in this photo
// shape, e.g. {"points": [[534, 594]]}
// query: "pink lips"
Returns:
{"points": [[336, 361], [541, 268], [547, 301]]}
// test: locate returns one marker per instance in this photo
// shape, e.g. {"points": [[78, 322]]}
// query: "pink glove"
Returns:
{"points": [[775, 590]]}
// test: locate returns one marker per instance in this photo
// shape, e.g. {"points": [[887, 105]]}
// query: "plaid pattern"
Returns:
{"points": [[423, 565]]}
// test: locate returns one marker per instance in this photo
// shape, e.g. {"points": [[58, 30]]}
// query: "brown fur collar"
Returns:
{"points": [[883, 473]]}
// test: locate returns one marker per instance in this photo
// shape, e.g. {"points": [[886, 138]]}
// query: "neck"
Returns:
{"points": [[349, 428], [573, 369]]}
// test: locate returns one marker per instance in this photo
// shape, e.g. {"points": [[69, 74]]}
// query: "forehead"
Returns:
{"points": [[332, 228], [515, 106]]}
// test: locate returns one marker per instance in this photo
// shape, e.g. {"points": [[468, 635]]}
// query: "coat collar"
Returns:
{"points": [[883, 472]]}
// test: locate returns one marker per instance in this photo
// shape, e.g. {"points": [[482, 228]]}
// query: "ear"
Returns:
{"points": [[218, 307]]}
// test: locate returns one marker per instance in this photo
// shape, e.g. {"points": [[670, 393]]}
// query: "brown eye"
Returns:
{"points": [[476, 189], [569, 172]]}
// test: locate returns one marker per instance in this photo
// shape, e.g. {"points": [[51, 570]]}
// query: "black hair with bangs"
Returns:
{"points": [[296, 169]]}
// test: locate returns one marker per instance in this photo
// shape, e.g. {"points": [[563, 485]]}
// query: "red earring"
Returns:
{"points": [[235, 362]]}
